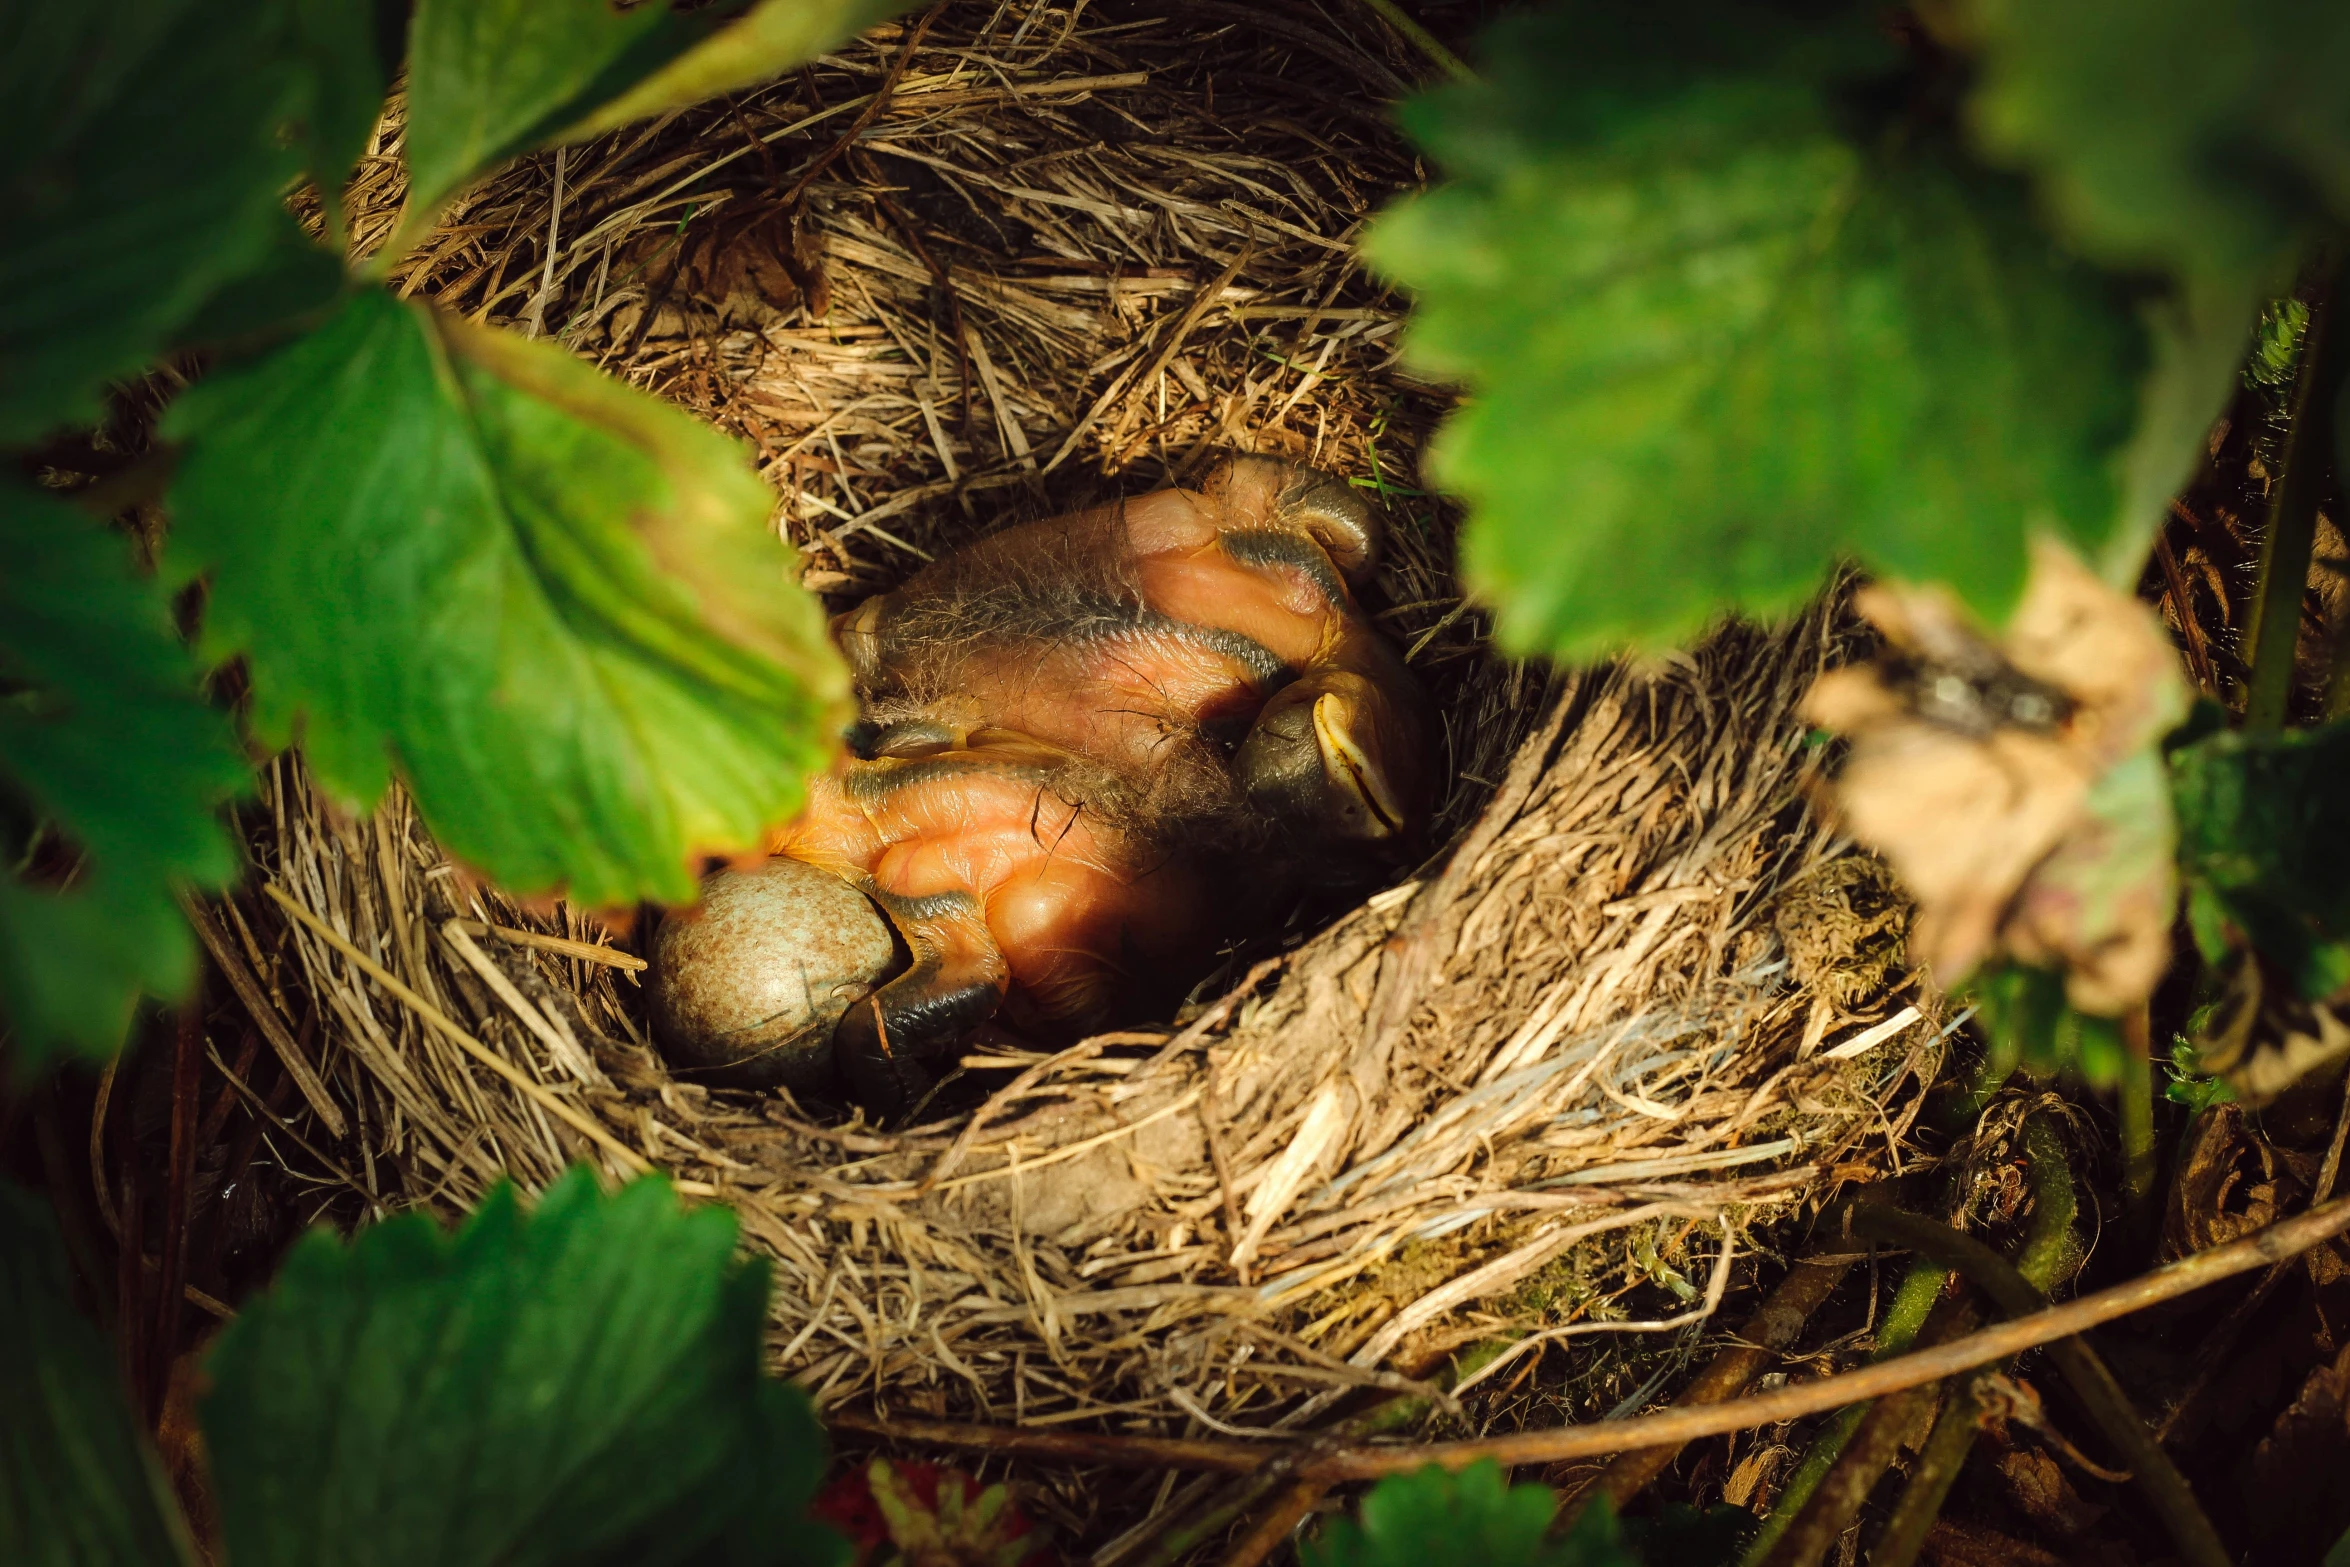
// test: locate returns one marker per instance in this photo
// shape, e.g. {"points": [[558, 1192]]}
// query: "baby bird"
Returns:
{"points": [[1087, 744]]}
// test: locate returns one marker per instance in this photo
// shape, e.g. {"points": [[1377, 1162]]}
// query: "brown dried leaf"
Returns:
{"points": [[2228, 1184], [2013, 783], [2296, 1494], [1953, 1544], [2038, 1488]]}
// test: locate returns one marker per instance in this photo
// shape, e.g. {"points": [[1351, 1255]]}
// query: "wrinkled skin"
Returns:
{"points": [[1089, 742]]}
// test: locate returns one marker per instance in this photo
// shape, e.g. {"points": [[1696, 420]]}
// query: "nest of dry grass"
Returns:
{"points": [[1066, 251]]}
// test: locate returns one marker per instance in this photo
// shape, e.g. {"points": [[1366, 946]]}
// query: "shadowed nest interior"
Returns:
{"points": [[995, 262]]}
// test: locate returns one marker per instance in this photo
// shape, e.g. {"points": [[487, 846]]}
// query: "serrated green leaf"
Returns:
{"points": [[773, 37], [491, 78], [351, 49], [2264, 843], [1721, 324], [1471, 1519], [551, 600], [104, 739], [77, 1486], [573, 1386], [140, 167], [290, 287], [2213, 140]]}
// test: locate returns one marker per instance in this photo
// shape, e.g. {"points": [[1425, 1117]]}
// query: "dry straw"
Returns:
{"points": [[1072, 250]]}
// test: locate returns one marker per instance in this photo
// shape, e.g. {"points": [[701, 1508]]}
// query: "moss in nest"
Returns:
{"points": [[1562, 1289], [1843, 925]]}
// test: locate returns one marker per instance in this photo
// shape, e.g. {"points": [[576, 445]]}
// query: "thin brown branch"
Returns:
{"points": [[1673, 1426], [1275, 1524], [2165, 1488], [1756, 1347]]}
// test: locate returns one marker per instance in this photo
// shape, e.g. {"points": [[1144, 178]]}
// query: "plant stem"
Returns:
{"points": [[1913, 1298], [1874, 1446], [1756, 1345], [2048, 1254], [1930, 1479], [1423, 40], [2091, 1382], [2275, 628]]}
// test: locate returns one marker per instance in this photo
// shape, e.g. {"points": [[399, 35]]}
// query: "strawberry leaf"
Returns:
{"points": [[2212, 140], [1471, 1519], [2264, 845], [77, 1486], [141, 167], [107, 752], [1729, 306], [575, 1385], [551, 600]]}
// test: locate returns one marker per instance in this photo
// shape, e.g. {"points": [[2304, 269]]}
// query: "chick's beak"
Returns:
{"points": [[1342, 732]]}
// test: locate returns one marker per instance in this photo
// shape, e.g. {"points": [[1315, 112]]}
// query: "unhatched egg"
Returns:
{"points": [[746, 987]]}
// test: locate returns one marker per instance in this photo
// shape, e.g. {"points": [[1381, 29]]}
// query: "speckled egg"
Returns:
{"points": [[747, 986]]}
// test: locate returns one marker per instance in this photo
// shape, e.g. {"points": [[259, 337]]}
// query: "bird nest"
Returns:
{"points": [[1001, 262]]}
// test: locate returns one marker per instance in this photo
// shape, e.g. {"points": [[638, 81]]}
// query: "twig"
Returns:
{"points": [[537, 320], [1276, 1523], [2183, 601], [2013, 1337], [585, 951], [1423, 40], [265, 1017], [1211, 1117], [1759, 1342], [264, 1115], [1201, 303], [865, 116], [2095, 1386], [560, 1045], [1913, 1301], [629, 1158], [2048, 1251], [1874, 1445]]}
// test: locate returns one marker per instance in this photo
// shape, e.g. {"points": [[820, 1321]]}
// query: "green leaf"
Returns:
{"points": [[2024, 1013], [2213, 140], [291, 287], [141, 167], [553, 600], [104, 739], [1472, 1519], [77, 1486], [573, 1386], [1725, 315], [488, 79], [352, 49], [2264, 844], [772, 38]]}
